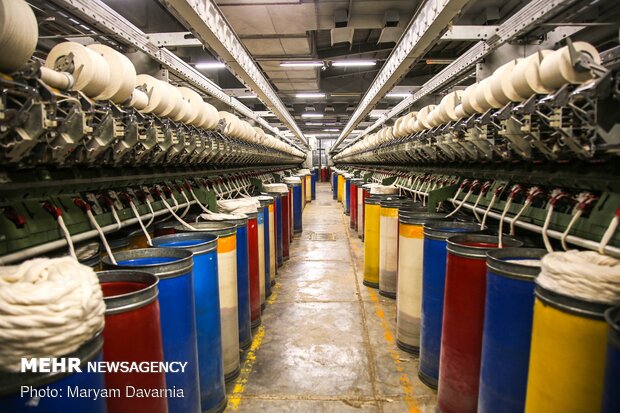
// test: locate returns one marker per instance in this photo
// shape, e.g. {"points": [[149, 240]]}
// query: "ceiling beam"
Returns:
{"points": [[460, 33], [422, 32], [209, 25], [528, 17]]}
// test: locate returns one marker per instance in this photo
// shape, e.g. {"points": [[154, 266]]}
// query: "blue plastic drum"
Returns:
{"points": [[508, 314], [297, 209], [48, 392], [611, 395], [207, 302], [178, 315], [347, 195], [433, 285], [315, 177], [334, 186], [243, 282], [267, 202]]}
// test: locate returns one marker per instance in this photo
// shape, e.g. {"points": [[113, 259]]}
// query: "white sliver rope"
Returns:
{"points": [[525, 206], [205, 209], [116, 218], [65, 231], [467, 195], [582, 274], [576, 216], [48, 308], [178, 218], [611, 230], [148, 204], [486, 213], [188, 204], [135, 212], [455, 197], [500, 243], [104, 241], [546, 228], [476, 205]]}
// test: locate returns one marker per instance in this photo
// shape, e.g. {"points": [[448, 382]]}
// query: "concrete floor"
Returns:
{"points": [[327, 343]]}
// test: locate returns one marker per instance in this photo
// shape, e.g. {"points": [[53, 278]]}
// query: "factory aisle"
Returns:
{"points": [[327, 343]]}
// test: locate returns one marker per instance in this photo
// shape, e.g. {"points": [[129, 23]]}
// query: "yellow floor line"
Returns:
{"points": [[405, 381], [234, 400]]}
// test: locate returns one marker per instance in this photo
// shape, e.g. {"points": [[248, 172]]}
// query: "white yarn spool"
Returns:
{"points": [[212, 117], [59, 80], [451, 103], [556, 69], [501, 84], [197, 113], [525, 77], [582, 274], [480, 97], [49, 308], [176, 108], [157, 94], [122, 74], [230, 121], [423, 117], [409, 122], [467, 99], [397, 127], [139, 99], [19, 34], [90, 70]]}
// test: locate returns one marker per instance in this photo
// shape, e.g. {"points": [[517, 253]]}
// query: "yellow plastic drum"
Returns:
{"points": [[340, 187], [567, 358], [308, 188], [372, 219]]}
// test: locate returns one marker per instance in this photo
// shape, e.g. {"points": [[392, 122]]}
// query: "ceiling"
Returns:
{"points": [[280, 31]]}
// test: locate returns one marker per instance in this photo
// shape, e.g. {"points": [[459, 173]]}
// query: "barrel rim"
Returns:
{"points": [[612, 316], [181, 266], [456, 246], [10, 382], [571, 305], [207, 245], [225, 229], [496, 262], [434, 230], [420, 218], [122, 303]]}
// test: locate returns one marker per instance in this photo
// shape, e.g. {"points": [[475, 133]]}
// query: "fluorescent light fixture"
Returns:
{"points": [[357, 131], [210, 65], [398, 95], [314, 123], [310, 95], [311, 115], [376, 115], [331, 130], [301, 64], [353, 63], [247, 97], [439, 61]]}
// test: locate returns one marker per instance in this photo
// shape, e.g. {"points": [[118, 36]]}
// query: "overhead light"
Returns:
{"points": [[352, 63], [314, 123], [301, 64], [310, 95], [210, 65], [311, 115], [398, 95], [247, 97], [331, 130], [376, 115], [357, 131], [439, 61]]}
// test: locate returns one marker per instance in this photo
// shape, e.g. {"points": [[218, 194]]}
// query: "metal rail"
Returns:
{"points": [[104, 18], [530, 15], [209, 25], [422, 32]]}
